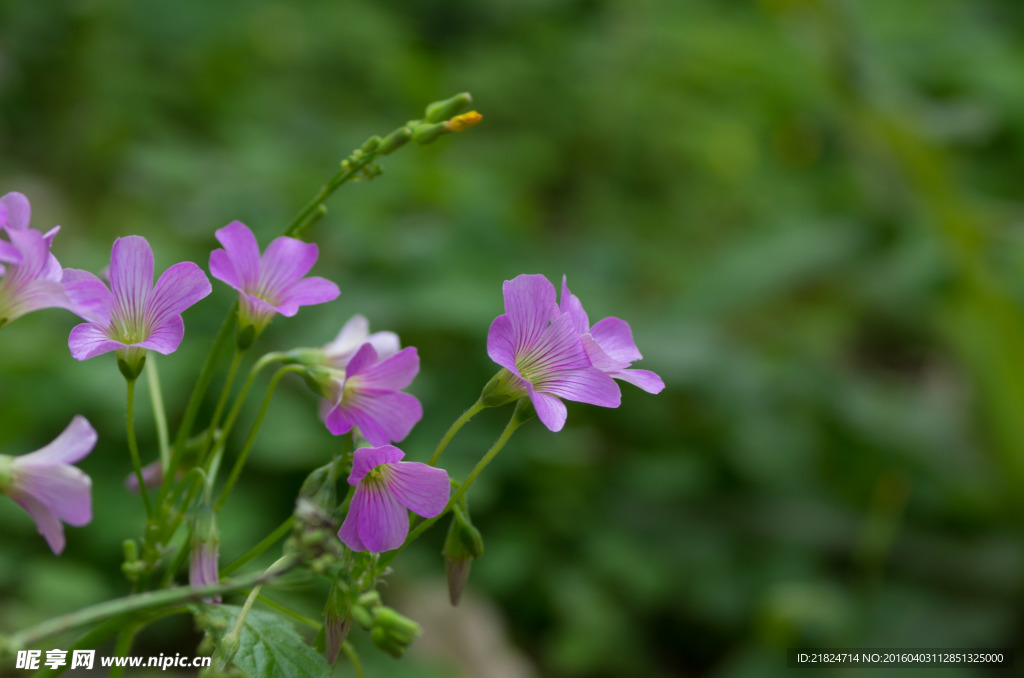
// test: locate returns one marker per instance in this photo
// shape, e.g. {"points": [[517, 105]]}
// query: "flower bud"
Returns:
{"points": [[439, 111], [464, 121], [392, 142], [392, 632], [425, 134], [202, 569], [371, 144], [337, 621], [462, 545]]}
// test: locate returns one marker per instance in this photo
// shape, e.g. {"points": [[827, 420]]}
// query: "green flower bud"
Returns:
{"points": [[392, 142], [439, 111], [425, 134], [371, 144], [461, 546], [392, 632], [337, 621]]}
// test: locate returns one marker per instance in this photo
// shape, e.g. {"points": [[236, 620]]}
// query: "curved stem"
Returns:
{"points": [[517, 419], [159, 413], [236, 470], [134, 603], [453, 429], [133, 448], [350, 652], [123, 647]]}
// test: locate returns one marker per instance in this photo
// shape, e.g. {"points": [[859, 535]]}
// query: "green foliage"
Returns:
{"points": [[268, 645]]}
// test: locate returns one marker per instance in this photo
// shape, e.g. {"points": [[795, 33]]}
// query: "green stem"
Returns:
{"points": [[519, 417], [195, 401], [236, 470], [306, 217], [260, 548], [229, 643], [134, 603], [459, 423], [159, 413], [288, 612], [350, 652], [236, 359], [123, 647], [133, 449]]}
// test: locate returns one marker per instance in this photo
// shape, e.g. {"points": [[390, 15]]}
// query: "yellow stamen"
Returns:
{"points": [[461, 122]]}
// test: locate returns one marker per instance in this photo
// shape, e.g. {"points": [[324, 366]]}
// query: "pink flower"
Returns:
{"points": [[353, 335], [544, 355], [609, 344], [133, 313], [32, 276], [45, 484], [386, 487], [367, 395], [273, 283]]}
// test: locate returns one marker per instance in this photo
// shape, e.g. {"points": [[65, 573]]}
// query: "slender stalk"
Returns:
{"points": [[517, 419], [459, 423], [133, 448], [236, 470], [159, 413], [260, 548], [236, 359], [288, 612], [123, 647], [194, 402], [134, 603], [229, 643], [350, 652]]}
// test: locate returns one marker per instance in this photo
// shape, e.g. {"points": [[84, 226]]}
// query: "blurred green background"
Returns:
{"points": [[809, 211]]}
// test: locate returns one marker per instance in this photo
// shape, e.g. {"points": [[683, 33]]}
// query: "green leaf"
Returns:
{"points": [[269, 646]]}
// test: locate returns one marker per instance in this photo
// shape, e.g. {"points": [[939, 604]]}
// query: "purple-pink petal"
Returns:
{"points": [[365, 459], [420, 488], [238, 264], [501, 342], [391, 374], [364, 358], [354, 334], [180, 286], [166, 337], [589, 385], [307, 292], [382, 418], [530, 305], [89, 340], [570, 304], [131, 278], [383, 522], [64, 490], [349, 532], [550, 410], [73, 444], [19, 211], [46, 522], [557, 348], [90, 298], [616, 339], [285, 261], [645, 379]]}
